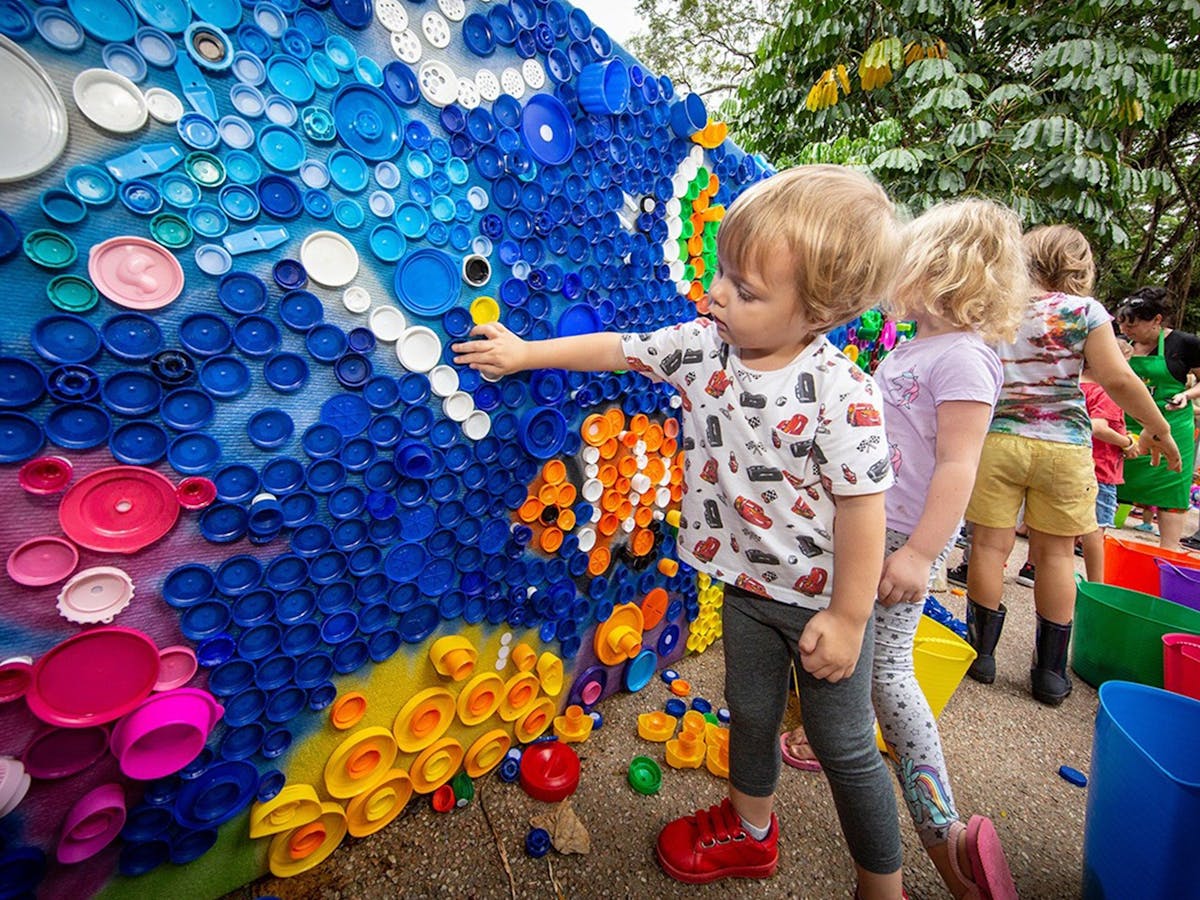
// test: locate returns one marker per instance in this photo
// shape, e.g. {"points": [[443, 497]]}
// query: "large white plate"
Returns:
{"points": [[33, 113]]}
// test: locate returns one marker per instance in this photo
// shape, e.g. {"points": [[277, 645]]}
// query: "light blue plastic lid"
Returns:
{"points": [[367, 122], [124, 60], [58, 29], [349, 213], [387, 243], [248, 100], [348, 171], [270, 18], [207, 221], [198, 131], [281, 148], [106, 20], [281, 110], [222, 13], [412, 220], [213, 259]]}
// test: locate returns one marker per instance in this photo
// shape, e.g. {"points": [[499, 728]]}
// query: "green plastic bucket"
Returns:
{"points": [[1119, 632]]}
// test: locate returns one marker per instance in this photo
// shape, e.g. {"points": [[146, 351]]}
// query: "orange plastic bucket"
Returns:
{"points": [[1131, 565]]}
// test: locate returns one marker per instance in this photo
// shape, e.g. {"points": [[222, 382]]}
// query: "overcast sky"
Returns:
{"points": [[617, 17]]}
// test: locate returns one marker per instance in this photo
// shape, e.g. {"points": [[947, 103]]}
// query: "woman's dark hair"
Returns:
{"points": [[1144, 304]]}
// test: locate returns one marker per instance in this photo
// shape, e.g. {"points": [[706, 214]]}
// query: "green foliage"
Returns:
{"points": [[1086, 112]]}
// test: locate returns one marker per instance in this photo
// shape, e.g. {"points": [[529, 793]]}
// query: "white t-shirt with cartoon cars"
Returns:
{"points": [[764, 454]]}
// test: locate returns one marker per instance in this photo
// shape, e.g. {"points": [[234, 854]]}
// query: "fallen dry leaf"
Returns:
{"points": [[567, 833]]}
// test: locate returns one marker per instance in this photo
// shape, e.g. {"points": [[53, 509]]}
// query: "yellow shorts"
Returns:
{"points": [[1057, 483]]}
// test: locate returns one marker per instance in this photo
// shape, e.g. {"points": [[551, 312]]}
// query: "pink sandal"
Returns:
{"points": [[796, 762], [989, 878]]}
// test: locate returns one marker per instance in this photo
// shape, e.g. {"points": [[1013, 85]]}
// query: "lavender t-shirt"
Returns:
{"points": [[915, 378]]}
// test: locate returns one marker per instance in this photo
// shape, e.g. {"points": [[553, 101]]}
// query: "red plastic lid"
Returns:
{"points": [[443, 799], [135, 272], [94, 677], [62, 752], [176, 666], [42, 560], [121, 509], [549, 771], [15, 676], [45, 475], [196, 492]]}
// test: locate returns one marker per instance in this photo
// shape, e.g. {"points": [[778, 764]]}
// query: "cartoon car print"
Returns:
{"points": [[685, 400], [733, 463], [718, 383], [763, 473], [794, 425], [812, 492], [712, 431], [801, 508], [746, 583], [806, 388], [801, 449], [862, 414], [712, 514], [793, 480], [693, 356], [849, 475], [878, 469], [706, 549], [709, 472], [761, 557], [672, 361], [812, 583], [752, 512], [748, 400], [808, 546], [638, 366]]}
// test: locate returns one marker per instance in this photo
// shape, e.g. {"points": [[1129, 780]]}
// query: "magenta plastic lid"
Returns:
{"points": [[62, 752], [176, 666], [121, 509], [92, 823], [196, 492], [93, 677], [42, 560], [45, 475], [15, 677], [135, 272], [165, 733]]}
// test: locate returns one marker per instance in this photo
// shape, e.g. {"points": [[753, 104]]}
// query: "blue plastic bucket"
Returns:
{"points": [[1143, 795]]}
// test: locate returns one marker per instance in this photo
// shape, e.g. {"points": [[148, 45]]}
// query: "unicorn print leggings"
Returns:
{"points": [[908, 726]]}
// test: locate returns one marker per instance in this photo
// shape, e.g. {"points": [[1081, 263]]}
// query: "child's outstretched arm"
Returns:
{"points": [[497, 351], [962, 426], [1110, 369], [832, 639]]}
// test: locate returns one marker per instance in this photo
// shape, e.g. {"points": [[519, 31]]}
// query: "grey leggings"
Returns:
{"points": [[761, 640]]}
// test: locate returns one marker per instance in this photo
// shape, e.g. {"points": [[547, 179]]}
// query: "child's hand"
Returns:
{"points": [[905, 577], [830, 645], [497, 351]]}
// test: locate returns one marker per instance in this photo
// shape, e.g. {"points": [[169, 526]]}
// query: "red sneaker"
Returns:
{"points": [[711, 844]]}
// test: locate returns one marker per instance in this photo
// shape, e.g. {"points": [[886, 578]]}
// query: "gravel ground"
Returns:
{"points": [[1003, 748]]}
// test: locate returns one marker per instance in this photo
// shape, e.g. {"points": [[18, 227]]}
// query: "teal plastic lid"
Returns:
{"points": [[171, 230], [72, 293], [50, 249]]}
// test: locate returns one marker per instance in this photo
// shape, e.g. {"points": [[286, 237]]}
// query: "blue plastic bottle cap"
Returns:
{"points": [[248, 100], [78, 426], [1072, 776], [242, 294], [131, 393], [427, 282], [138, 443], [239, 202], [58, 29], [205, 334], [256, 336], [279, 196], [213, 259], [270, 429], [349, 413], [21, 382], [225, 377], [20, 437], [286, 372], [288, 76], [321, 440], [193, 453], [289, 274], [300, 310], [352, 370], [325, 342], [198, 131]]}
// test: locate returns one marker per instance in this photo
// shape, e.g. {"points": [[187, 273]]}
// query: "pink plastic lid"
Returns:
{"points": [[176, 666], [45, 475], [14, 784], [121, 509], [135, 272], [61, 752], [95, 595], [42, 560], [165, 733], [15, 676], [196, 492], [888, 336], [93, 677], [92, 823]]}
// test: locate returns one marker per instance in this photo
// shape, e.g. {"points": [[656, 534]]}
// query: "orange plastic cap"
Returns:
{"points": [[347, 710], [531, 510], [552, 539], [654, 607], [680, 687], [554, 471], [599, 559]]}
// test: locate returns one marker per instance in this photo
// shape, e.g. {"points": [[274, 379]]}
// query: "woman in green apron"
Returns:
{"points": [[1162, 358]]}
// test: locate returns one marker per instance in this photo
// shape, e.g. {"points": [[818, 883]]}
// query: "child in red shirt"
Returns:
{"points": [[1110, 445]]}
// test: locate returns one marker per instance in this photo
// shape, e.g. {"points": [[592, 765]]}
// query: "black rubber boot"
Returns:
{"points": [[983, 632], [1048, 676]]}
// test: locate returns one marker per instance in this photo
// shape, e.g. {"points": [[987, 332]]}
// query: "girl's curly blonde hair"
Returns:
{"points": [[964, 262], [1060, 259]]}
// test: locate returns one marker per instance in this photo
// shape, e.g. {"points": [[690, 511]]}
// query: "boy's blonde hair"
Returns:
{"points": [[1060, 259], [836, 224], [964, 262]]}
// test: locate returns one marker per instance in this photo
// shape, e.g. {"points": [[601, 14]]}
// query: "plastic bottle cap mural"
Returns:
{"points": [[274, 562]]}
